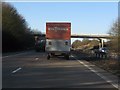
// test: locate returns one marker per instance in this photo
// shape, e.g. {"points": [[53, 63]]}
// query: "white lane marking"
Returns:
{"points": [[100, 75], [16, 70], [36, 58], [14, 55], [68, 66], [91, 83]]}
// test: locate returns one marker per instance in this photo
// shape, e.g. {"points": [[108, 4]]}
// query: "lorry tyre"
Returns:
{"points": [[37, 50], [48, 57], [67, 57], [52, 54]]}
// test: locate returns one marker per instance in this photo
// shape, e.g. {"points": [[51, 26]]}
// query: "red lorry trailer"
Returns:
{"points": [[58, 39]]}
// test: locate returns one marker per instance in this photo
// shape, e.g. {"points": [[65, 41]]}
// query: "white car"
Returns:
{"points": [[103, 50]]}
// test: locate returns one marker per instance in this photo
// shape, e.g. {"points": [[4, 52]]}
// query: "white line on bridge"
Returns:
{"points": [[99, 74], [16, 70]]}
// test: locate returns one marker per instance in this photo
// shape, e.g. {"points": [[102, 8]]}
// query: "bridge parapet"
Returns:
{"points": [[90, 36], [107, 36]]}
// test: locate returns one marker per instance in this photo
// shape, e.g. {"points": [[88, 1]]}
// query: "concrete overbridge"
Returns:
{"points": [[100, 37], [106, 36]]}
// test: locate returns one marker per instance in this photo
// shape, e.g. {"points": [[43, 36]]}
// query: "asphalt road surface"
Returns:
{"points": [[33, 70]]}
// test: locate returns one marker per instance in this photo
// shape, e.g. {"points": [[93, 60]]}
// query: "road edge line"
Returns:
{"points": [[99, 74]]}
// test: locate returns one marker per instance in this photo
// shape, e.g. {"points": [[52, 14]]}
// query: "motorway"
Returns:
{"points": [[32, 70]]}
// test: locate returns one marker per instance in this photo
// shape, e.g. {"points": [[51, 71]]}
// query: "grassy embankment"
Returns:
{"points": [[109, 64]]}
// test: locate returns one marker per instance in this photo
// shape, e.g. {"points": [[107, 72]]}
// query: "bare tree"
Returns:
{"points": [[115, 34]]}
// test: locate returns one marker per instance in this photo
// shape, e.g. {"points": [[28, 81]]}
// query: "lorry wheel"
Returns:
{"points": [[52, 54], [48, 57], [67, 57], [37, 50]]}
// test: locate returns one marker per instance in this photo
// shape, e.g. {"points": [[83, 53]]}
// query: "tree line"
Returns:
{"points": [[15, 32], [85, 44]]}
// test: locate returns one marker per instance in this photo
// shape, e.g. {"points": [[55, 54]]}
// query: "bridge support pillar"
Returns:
{"points": [[101, 43]]}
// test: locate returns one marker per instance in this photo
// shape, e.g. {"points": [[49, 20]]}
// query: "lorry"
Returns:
{"points": [[58, 39], [39, 44]]}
